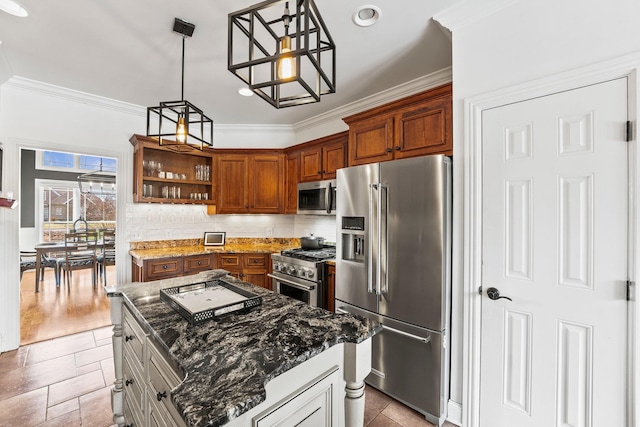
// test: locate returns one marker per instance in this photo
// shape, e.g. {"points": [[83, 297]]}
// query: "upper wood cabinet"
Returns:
{"points": [[418, 125], [250, 183], [292, 179], [320, 159], [161, 175]]}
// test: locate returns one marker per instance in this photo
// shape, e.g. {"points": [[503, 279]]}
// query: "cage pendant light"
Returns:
{"points": [[285, 58], [181, 126]]}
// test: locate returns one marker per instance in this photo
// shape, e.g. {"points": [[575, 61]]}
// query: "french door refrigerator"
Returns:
{"points": [[393, 265]]}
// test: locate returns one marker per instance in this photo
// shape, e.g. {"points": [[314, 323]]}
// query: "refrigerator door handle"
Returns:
{"points": [[383, 234], [379, 242], [408, 335], [372, 189]]}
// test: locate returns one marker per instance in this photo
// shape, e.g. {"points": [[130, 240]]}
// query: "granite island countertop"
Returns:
{"points": [[227, 361], [186, 247]]}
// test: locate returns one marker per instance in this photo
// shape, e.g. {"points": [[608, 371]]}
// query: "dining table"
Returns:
{"points": [[46, 248]]}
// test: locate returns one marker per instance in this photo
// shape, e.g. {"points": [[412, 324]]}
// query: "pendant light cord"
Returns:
{"points": [[182, 89]]}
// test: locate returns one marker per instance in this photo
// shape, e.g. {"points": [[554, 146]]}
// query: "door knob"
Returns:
{"points": [[494, 294]]}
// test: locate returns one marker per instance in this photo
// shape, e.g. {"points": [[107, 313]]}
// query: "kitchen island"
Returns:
{"points": [[281, 360]]}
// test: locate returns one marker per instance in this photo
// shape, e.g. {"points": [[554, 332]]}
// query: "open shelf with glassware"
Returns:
{"points": [[161, 175]]}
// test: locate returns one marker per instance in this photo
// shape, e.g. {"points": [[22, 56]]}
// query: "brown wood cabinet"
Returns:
{"points": [[249, 267], [292, 179], [165, 268], [161, 175], [418, 125], [250, 183], [331, 287], [323, 158]]}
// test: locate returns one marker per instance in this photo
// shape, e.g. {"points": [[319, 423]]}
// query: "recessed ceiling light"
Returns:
{"points": [[367, 15], [245, 91], [13, 8]]}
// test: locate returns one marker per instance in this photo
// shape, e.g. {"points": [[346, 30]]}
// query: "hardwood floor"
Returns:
{"points": [[58, 311]]}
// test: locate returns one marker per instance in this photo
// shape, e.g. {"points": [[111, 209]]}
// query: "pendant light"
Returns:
{"points": [[181, 126], [286, 58]]}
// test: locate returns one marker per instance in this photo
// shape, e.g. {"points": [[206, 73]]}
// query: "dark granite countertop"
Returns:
{"points": [[227, 361]]}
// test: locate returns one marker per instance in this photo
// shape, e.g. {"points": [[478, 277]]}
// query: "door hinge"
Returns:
{"points": [[629, 131], [480, 290], [631, 290]]}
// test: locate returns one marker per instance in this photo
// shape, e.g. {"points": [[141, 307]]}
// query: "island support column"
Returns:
{"points": [[117, 404], [357, 365]]}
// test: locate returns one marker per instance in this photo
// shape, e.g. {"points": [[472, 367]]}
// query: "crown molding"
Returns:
{"points": [[468, 12], [398, 92], [75, 96]]}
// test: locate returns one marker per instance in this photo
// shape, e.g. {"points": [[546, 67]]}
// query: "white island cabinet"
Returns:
{"points": [[280, 364]]}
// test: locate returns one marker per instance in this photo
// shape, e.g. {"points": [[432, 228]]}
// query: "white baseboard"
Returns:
{"points": [[454, 414]]}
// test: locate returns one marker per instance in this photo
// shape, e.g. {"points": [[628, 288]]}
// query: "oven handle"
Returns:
{"points": [[294, 284]]}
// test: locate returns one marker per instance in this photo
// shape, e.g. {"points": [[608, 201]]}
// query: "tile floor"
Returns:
{"points": [[61, 382], [66, 382]]}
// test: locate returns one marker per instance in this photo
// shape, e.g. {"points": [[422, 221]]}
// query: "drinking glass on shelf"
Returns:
{"points": [[159, 168]]}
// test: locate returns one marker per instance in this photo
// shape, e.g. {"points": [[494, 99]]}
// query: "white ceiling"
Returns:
{"points": [[126, 50]]}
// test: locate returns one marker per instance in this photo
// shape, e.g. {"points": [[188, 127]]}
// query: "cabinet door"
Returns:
{"points": [[266, 184], [311, 164], [257, 277], [333, 158], [233, 184], [425, 130], [331, 287], [371, 141], [293, 177]]}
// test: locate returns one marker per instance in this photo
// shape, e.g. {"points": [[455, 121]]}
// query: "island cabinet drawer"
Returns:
{"points": [[134, 339], [314, 405], [230, 260], [255, 260], [195, 263], [162, 379], [133, 384], [163, 268], [132, 416]]}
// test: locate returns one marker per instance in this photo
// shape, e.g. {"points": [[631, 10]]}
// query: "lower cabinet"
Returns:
{"points": [[252, 268], [147, 379], [166, 268], [310, 407]]}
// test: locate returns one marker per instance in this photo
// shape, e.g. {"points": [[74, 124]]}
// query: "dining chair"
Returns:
{"points": [[79, 253], [107, 255], [28, 262]]}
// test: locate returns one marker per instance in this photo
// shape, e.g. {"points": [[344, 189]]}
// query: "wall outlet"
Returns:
{"points": [[169, 234], [269, 231], [136, 235]]}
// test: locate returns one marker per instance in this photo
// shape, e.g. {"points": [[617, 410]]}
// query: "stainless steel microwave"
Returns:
{"points": [[317, 197]]}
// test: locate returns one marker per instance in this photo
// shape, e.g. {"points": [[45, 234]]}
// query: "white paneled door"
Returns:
{"points": [[555, 242]]}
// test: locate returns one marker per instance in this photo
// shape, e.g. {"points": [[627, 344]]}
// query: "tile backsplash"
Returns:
{"points": [[164, 222]]}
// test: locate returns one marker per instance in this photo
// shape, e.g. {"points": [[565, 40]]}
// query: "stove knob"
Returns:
{"points": [[276, 266], [310, 274], [281, 267], [292, 270]]}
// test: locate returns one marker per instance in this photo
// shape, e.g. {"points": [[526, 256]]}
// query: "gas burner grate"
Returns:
{"points": [[311, 254]]}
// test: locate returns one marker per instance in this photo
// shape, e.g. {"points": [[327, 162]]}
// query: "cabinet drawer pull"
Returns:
{"points": [[128, 338], [127, 383], [389, 150], [397, 147], [199, 262], [165, 266], [161, 396]]}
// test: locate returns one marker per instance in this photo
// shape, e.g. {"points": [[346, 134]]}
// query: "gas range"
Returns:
{"points": [[299, 273]]}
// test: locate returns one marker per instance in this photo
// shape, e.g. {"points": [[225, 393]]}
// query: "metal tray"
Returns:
{"points": [[199, 302]]}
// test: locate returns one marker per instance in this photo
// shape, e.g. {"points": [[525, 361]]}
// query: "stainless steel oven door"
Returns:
{"points": [[293, 287]]}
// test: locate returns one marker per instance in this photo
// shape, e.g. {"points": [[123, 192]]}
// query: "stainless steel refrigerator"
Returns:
{"points": [[393, 265]]}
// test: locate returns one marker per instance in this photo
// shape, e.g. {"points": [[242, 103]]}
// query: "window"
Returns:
{"points": [[55, 160], [62, 203]]}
